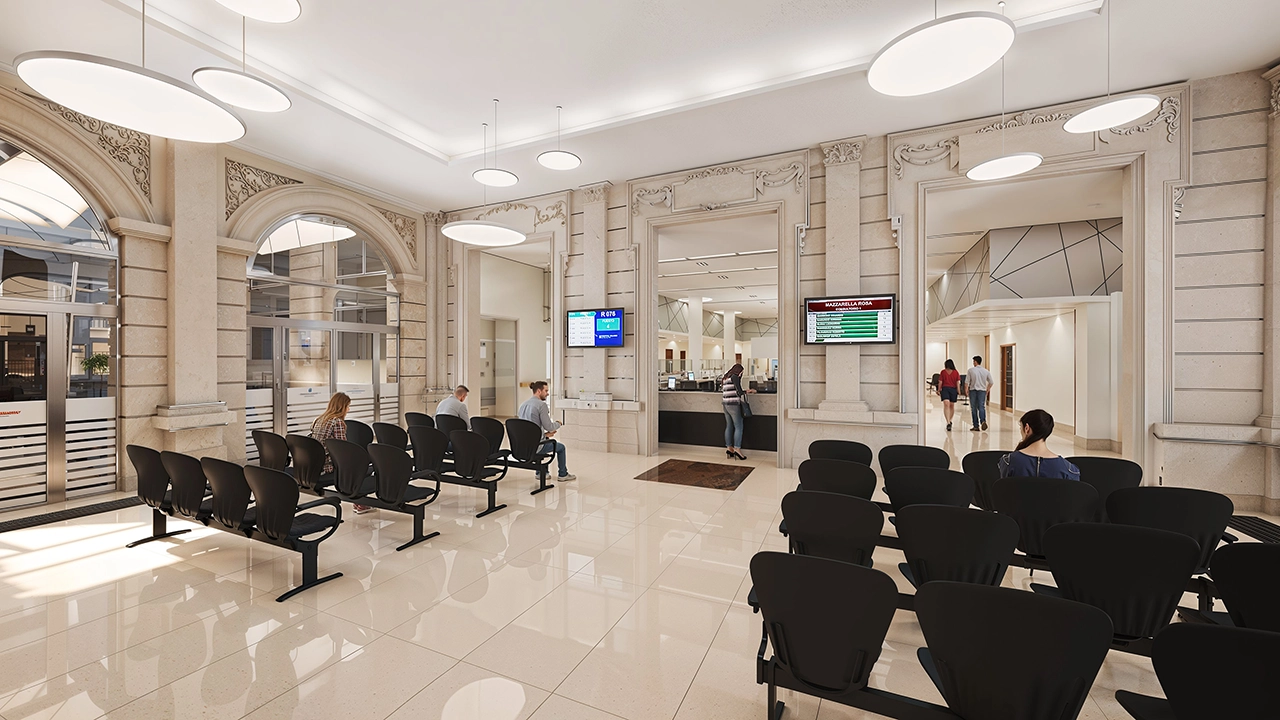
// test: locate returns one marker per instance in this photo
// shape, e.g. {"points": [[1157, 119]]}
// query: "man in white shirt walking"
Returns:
{"points": [[978, 380], [535, 410]]}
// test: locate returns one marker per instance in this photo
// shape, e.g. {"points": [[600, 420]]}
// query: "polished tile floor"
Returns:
{"points": [[605, 598], [1003, 433]]}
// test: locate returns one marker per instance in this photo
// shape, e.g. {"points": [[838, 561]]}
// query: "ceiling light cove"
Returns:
{"points": [[1005, 166], [941, 53], [241, 89], [482, 232], [272, 11]]}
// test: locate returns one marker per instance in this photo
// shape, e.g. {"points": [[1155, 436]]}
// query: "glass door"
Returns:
{"points": [[90, 439], [354, 373], [262, 385], [27, 342], [308, 377]]}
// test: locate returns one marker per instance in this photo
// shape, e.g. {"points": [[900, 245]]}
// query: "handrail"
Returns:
{"points": [[1217, 441]]}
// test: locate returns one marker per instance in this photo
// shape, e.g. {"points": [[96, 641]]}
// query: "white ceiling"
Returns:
{"points": [[732, 261], [988, 316], [389, 95]]}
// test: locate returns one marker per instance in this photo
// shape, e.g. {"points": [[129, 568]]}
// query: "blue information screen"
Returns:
{"points": [[595, 328]]}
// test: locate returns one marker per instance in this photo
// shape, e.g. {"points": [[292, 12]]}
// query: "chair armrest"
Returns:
{"points": [[1229, 538], [322, 501]]}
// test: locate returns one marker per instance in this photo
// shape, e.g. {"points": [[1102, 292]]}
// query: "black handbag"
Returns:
{"points": [[746, 407]]}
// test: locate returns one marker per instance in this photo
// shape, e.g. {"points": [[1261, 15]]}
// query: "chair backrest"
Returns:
{"points": [[189, 483], [1006, 653], [350, 466], [390, 434], [358, 432], [393, 466], [837, 476], [927, 486], [525, 437], [448, 423], [308, 460], [492, 430], [1201, 514], [416, 418], [837, 527], [470, 452], [1135, 575], [1107, 475], [984, 467], [429, 446], [1212, 671], [896, 456], [826, 619], [849, 450], [230, 491], [1248, 579], [273, 451], [1038, 504], [956, 544], [153, 481], [275, 500]]}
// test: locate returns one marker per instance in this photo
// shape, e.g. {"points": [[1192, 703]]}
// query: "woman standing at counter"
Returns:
{"points": [[732, 397]]}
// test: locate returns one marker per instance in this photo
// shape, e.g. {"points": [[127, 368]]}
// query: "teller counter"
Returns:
{"points": [[697, 418]]}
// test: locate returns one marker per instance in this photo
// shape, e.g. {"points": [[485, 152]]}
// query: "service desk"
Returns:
{"points": [[697, 418]]}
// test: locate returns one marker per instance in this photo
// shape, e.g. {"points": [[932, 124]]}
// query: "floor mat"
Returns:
{"points": [[71, 514], [1255, 527], [698, 474]]}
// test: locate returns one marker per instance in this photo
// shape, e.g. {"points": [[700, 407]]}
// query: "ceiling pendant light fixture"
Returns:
{"points": [[272, 11], [239, 87], [495, 176], [1112, 113], [129, 95], [558, 159], [1008, 164], [483, 232], [941, 53]]}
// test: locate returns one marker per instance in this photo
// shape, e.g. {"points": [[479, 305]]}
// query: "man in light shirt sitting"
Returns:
{"points": [[979, 382], [455, 405], [536, 411]]}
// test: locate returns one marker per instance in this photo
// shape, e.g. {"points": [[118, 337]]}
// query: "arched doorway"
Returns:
{"points": [[58, 334], [322, 318]]}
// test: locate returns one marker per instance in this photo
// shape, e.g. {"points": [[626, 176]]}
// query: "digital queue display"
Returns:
{"points": [[595, 328], [850, 320]]}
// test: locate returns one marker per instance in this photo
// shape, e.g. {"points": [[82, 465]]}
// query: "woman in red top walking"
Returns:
{"points": [[949, 389]]}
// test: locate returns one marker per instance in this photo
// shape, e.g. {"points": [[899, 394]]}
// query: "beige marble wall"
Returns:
{"points": [[232, 345], [144, 338]]}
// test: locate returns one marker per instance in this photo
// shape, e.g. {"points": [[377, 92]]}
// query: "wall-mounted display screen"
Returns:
{"points": [[596, 328], [850, 320]]}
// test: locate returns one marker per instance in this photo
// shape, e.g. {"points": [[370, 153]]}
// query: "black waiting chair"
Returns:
{"points": [[393, 469], [429, 449], [955, 544], [308, 464], [1038, 504], [495, 432], [1107, 475], [391, 434], [1200, 514], [839, 527], [896, 456], [353, 478], [279, 520], [273, 452], [358, 432], [997, 652], [153, 489], [416, 418], [845, 477], [1136, 575], [528, 451], [984, 467], [1247, 576], [927, 486], [231, 510], [1210, 671], [849, 450], [471, 466], [191, 499], [447, 424]]}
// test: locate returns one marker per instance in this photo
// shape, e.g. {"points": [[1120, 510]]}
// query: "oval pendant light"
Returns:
{"points": [[1005, 166], [272, 11], [941, 53], [558, 159], [1111, 113], [238, 87], [484, 233], [495, 176]]}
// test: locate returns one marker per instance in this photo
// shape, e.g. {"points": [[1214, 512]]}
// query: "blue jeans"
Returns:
{"points": [[978, 406], [733, 426], [558, 449]]}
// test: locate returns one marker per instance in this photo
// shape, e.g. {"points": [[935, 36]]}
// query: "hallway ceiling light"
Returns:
{"points": [[32, 185], [557, 159], [302, 233], [495, 176], [239, 87], [272, 11], [128, 95], [483, 233], [941, 53], [1111, 113], [1008, 164]]}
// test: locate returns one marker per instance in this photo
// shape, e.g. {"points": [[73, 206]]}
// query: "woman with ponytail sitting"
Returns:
{"points": [[1033, 458]]}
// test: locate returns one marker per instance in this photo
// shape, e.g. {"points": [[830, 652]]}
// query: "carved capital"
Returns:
{"points": [[406, 227], [245, 181], [841, 152], [127, 147], [596, 192], [1273, 75], [436, 218]]}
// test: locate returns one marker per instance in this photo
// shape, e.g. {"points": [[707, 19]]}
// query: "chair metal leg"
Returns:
{"points": [[310, 563], [493, 497], [159, 525], [774, 706], [543, 485], [417, 531]]}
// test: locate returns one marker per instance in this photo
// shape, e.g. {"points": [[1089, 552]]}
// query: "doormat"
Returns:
{"points": [[1256, 528], [698, 474], [71, 514]]}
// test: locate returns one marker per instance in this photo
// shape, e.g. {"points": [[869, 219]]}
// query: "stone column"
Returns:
{"points": [[1270, 417], [695, 331], [843, 162], [595, 270], [436, 273], [730, 336], [414, 334]]}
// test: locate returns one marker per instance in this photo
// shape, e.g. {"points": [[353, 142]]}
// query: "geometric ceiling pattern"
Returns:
{"points": [[965, 283], [1077, 259]]}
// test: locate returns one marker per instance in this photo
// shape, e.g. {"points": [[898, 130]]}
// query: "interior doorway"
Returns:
{"points": [[1006, 377]]}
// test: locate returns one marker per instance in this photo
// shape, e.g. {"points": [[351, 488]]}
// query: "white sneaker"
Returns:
{"points": [[567, 478]]}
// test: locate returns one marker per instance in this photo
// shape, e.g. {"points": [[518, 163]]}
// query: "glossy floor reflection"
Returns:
{"points": [[606, 598]]}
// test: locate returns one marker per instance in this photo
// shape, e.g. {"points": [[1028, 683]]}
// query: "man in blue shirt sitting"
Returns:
{"points": [[536, 411]]}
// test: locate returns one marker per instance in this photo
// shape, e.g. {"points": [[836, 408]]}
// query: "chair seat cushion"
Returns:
{"points": [[311, 523], [414, 493], [905, 569], [1143, 707], [205, 512]]}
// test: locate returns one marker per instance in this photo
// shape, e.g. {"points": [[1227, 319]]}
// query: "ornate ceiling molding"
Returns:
{"points": [[1027, 117], [734, 186], [1273, 75], [1170, 112], [923, 154], [127, 147], [406, 227], [597, 192], [654, 197], [839, 153], [540, 216], [245, 181], [436, 218]]}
